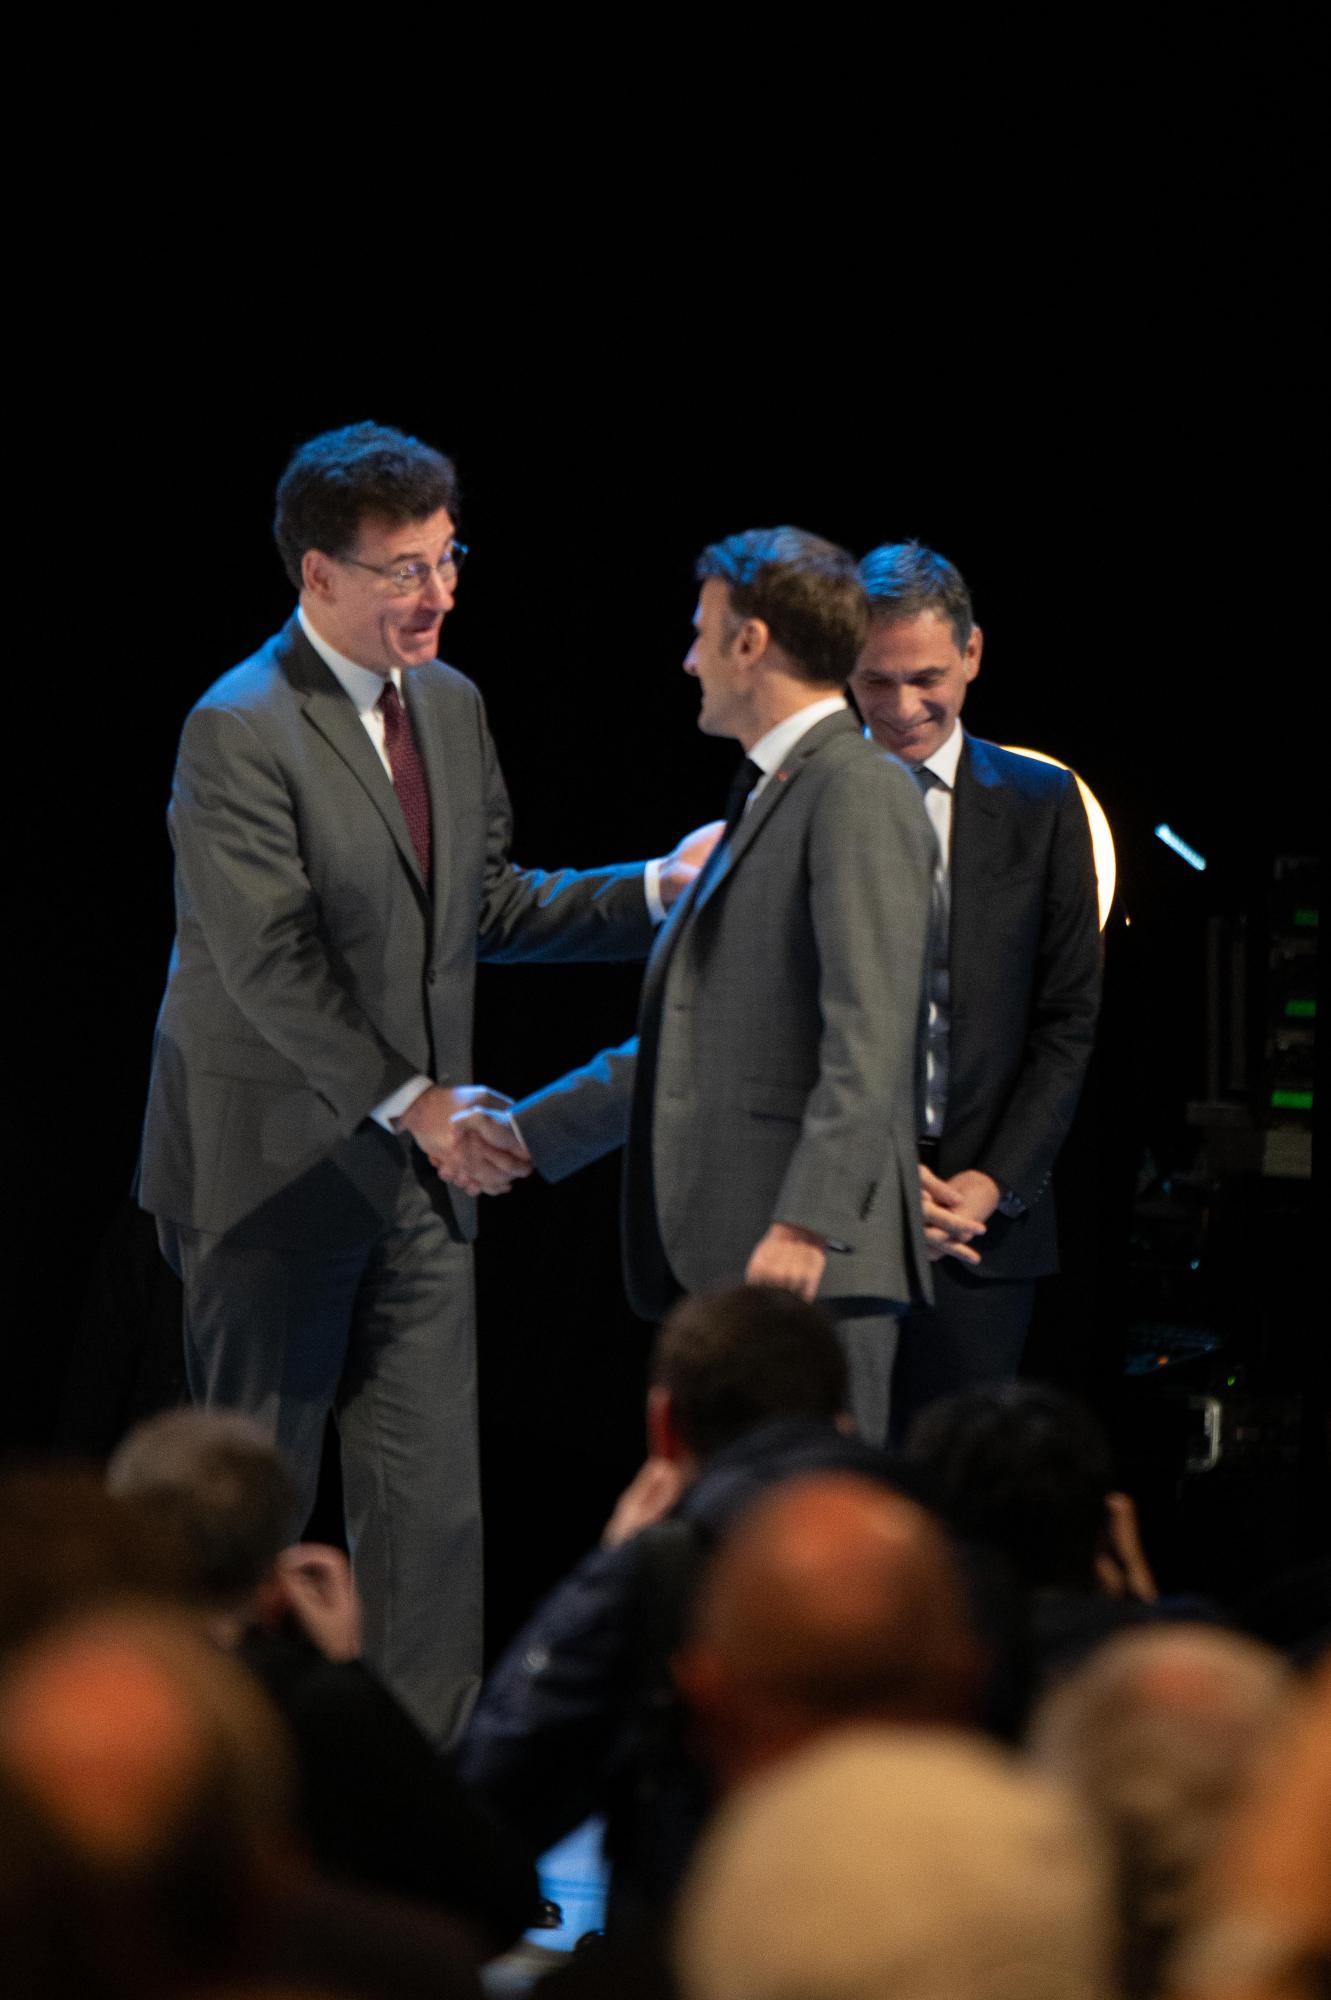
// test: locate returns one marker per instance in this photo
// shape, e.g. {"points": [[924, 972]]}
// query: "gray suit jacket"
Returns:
{"points": [[773, 1078], [314, 971]]}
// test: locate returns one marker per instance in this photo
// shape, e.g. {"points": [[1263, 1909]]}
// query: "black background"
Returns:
{"points": [[1107, 430]]}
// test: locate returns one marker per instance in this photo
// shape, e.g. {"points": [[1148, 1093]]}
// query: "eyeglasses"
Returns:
{"points": [[414, 575]]}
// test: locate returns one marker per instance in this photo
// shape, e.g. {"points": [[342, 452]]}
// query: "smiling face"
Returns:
{"points": [[910, 681], [366, 616]]}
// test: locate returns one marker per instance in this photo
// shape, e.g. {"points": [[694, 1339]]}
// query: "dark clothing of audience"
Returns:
{"points": [[340, 1940], [378, 1806], [579, 1716], [615, 1968]]}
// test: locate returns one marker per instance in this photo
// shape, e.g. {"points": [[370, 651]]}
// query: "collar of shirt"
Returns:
{"points": [[362, 684], [770, 751], [946, 758]]}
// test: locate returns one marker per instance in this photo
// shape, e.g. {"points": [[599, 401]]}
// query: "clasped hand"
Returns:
{"points": [[469, 1137], [955, 1211]]}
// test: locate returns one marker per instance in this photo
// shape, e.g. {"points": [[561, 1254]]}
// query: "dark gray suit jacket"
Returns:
{"points": [[1024, 970], [777, 1030], [314, 971]]}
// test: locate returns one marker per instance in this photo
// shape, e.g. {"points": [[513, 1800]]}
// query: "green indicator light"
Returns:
{"points": [[1292, 1100], [1230, 1381], [1305, 920], [1301, 1010]]}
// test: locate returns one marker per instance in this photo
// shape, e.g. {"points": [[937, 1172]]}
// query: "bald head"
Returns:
{"points": [[120, 1724], [1159, 1732], [149, 1782], [919, 1865], [833, 1600]]}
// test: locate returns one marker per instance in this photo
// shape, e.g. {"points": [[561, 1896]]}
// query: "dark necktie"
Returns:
{"points": [[408, 770], [937, 986], [737, 798]]}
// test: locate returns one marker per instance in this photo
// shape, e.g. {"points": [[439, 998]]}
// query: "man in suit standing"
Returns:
{"points": [[768, 1098], [1012, 984], [341, 834]]}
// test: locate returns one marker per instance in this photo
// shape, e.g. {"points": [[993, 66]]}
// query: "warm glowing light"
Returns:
{"points": [[1102, 840]]}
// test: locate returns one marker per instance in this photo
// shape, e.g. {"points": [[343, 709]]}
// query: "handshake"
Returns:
{"points": [[469, 1137]]}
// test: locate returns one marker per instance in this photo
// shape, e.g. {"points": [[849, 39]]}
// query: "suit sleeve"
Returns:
{"points": [[871, 857], [580, 1117], [243, 881], [1065, 1003], [529, 913]]}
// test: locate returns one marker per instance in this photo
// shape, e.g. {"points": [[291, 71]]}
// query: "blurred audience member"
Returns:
{"points": [[1027, 1472], [162, 1775], [834, 1600], [65, 1548], [888, 1865], [1264, 1927], [148, 1781], [1158, 1733], [580, 1716], [377, 1804]]}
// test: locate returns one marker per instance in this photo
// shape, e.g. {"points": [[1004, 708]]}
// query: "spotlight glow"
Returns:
{"points": [[1102, 840]]}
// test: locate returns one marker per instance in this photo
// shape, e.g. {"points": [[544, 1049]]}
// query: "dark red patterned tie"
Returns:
{"points": [[408, 773]]}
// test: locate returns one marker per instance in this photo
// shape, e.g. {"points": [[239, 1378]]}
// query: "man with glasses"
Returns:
{"points": [[341, 833]]}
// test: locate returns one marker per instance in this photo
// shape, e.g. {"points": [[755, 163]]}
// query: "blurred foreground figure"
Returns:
{"points": [[375, 1802], [161, 1777], [145, 1787], [1159, 1734], [1264, 1930], [882, 1866], [1026, 1472], [834, 1600]]}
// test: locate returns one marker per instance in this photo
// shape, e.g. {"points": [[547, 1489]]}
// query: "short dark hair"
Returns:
{"points": [[805, 590], [904, 579], [333, 481], [218, 1476], [734, 1360], [1024, 1468]]}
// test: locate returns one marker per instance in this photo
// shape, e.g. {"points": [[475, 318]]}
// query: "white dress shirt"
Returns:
{"points": [[771, 751], [938, 798]]}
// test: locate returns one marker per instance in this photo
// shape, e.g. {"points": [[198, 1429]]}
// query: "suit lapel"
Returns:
{"points": [[978, 807], [778, 785], [328, 709]]}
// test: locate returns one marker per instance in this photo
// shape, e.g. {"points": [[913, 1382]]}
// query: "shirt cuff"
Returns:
{"points": [[402, 1100], [651, 882]]}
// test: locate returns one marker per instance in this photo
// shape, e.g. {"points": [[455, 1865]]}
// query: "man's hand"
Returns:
{"points": [[684, 863], [950, 1219], [490, 1154], [317, 1589], [436, 1122], [980, 1193], [647, 1499], [790, 1257]]}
